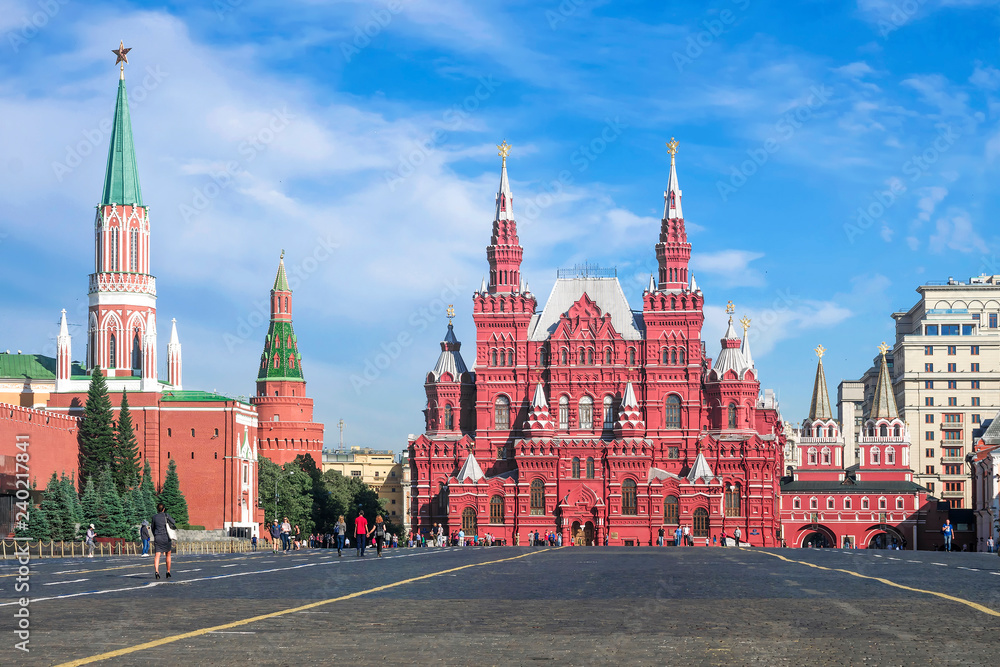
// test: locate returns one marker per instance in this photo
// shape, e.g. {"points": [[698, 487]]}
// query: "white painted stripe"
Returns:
{"points": [[189, 581], [73, 581], [233, 565], [941, 564]]}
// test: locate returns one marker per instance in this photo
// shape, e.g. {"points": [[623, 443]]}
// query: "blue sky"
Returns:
{"points": [[360, 138]]}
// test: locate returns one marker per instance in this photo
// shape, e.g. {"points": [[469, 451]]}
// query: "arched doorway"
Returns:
{"points": [[886, 537], [588, 534], [577, 534], [815, 536], [469, 522], [816, 540]]}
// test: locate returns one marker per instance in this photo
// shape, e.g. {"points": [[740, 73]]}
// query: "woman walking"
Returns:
{"points": [[340, 532], [379, 530], [161, 538]]}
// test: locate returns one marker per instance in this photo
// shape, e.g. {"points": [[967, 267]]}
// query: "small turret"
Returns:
{"points": [[174, 357], [629, 423], [64, 355]]}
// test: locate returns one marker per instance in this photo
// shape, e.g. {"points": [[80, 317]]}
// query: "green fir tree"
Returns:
{"points": [[172, 498], [97, 434], [125, 455], [89, 506], [37, 527], [112, 519], [147, 491], [71, 500], [51, 505]]}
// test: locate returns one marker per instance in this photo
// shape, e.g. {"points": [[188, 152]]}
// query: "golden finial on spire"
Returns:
{"points": [[883, 348], [819, 351], [745, 321], [672, 147], [122, 54], [504, 150], [451, 313], [282, 254], [730, 309]]}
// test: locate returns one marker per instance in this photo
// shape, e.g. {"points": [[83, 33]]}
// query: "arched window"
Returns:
{"points": [[847, 503], [607, 356], [671, 511], [469, 522], [733, 500], [829, 503], [590, 356], [112, 352], [590, 467], [890, 456], [586, 412], [899, 503], [881, 503], [136, 355], [895, 431], [875, 456], [113, 264], [543, 357], [563, 357], [831, 432], [449, 417], [629, 503], [813, 504], [537, 497], [826, 456], [812, 456], [510, 357], [496, 509], [673, 411], [680, 356], [133, 249], [576, 468], [664, 358], [796, 503], [493, 358], [286, 305], [609, 412], [503, 358], [883, 430], [631, 356], [732, 415], [564, 412], [864, 503], [673, 357], [582, 356], [501, 413], [700, 528]]}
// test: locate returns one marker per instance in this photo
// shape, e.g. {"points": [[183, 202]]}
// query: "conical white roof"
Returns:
{"points": [[700, 470], [470, 470]]}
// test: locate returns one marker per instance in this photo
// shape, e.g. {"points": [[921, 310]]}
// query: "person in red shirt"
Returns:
{"points": [[360, 530]]}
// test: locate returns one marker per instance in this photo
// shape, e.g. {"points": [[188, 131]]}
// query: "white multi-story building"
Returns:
{"points": [[946, 378]]}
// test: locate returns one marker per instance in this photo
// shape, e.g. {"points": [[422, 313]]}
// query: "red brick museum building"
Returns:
{"points": [[593, 420]]}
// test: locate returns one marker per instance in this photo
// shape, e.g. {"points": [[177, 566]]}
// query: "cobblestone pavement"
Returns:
{"points": [[479, 606]]}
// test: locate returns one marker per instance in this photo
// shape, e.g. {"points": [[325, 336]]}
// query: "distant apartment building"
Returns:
{"points": [[385, 471], [945, 366]]}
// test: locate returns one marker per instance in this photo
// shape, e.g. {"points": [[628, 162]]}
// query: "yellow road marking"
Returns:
{"points": [[945, 596], [283, 612]]}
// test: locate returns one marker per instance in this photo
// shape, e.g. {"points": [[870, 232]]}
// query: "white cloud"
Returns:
{"points": [[955, 231], [730, 267]]}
